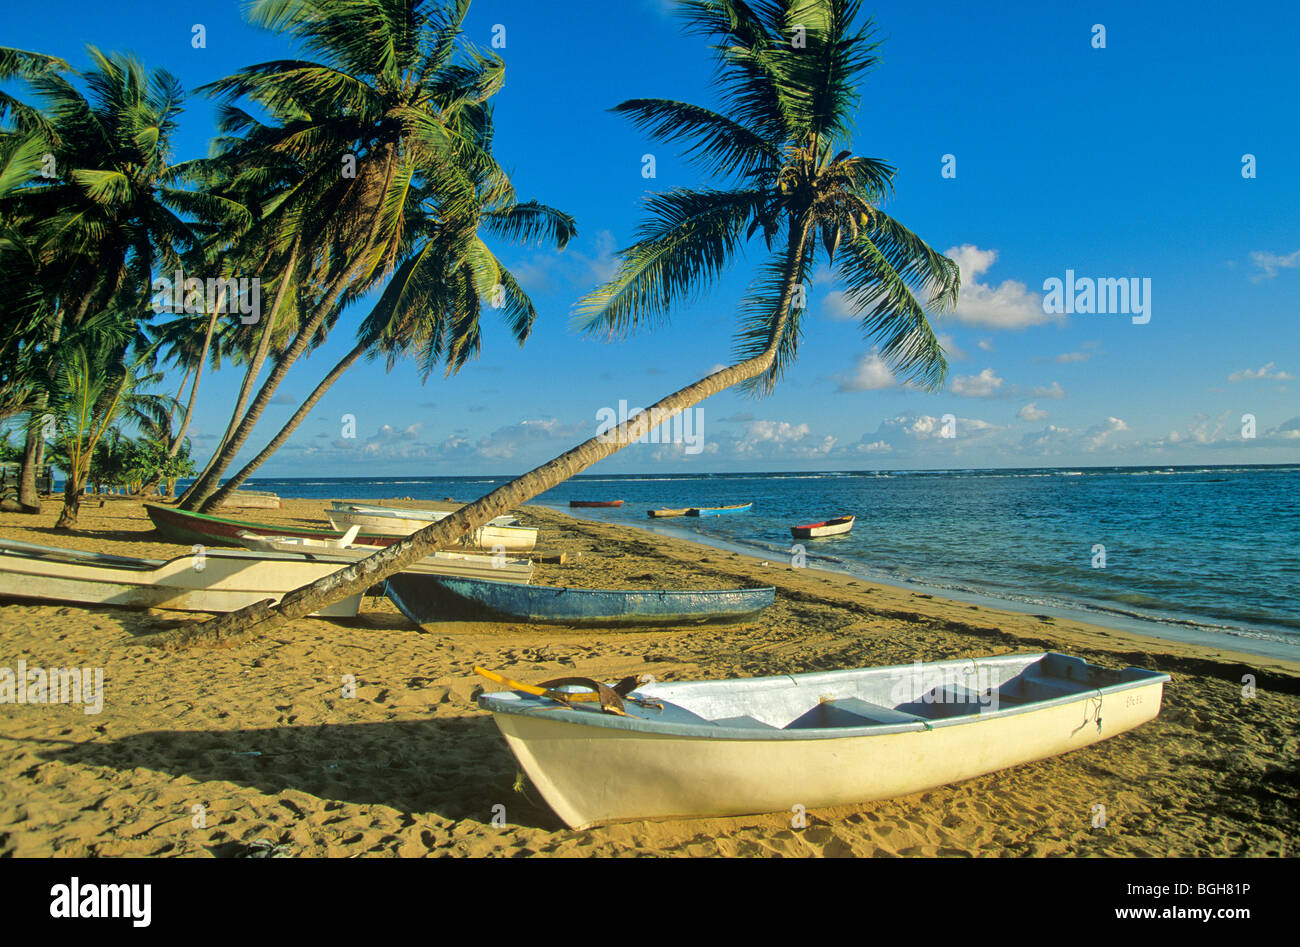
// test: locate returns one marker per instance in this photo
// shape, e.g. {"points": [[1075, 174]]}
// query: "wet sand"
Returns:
{"points": [[213, 752]]}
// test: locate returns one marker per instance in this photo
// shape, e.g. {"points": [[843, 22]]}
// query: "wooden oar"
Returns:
{"points": [[611, 698], [526, 688]]}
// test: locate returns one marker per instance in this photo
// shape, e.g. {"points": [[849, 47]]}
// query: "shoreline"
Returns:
{"points": [[1143, 631], [266, 740]]}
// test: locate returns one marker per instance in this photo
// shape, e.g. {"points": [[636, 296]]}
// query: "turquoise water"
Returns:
{"points": [[1205, 551]]}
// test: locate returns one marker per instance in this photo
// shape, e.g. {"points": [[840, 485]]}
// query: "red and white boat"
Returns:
{"points": [[836, 527]]}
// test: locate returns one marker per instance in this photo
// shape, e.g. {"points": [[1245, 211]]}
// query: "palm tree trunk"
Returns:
{"points": [[71, 503], [356, 578], [194, 388], [206, 480], [233, 484], [28, 498], [200, 497], [34, 449]]}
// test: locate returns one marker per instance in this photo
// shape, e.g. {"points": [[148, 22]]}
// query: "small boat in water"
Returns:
{"points": [[682, 511], [827, 738], [719, 510], [594, 503], [468, 565], [835, 527], [431, 598], [211, 580]]}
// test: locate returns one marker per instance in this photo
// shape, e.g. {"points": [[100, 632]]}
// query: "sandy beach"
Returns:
{"points": [[209, 752]]}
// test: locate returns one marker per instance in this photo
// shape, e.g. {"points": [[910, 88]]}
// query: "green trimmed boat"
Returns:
{"points": [[182, 526]]}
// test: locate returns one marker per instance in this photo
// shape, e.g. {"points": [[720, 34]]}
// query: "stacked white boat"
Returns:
{"points": [[500, 534], [499, 568], [210, 580]]}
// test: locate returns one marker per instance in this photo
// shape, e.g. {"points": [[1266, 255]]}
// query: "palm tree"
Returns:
{"points": [[431, 307], [781, 141], [90, 389], [98, 223], [395, 93]]}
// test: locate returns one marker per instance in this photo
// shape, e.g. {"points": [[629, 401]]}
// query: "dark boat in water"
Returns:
{"points": [[591, 503], [431, 598]]}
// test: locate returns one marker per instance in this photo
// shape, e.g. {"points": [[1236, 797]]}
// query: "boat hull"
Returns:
{"points": [[509, 538], [663, 514], [820, 530], [428, 599], [429, 516], [496, 568], [719, 510], [181, 526], [597, 774], [588, 504], [217, 581], [251, 500]]}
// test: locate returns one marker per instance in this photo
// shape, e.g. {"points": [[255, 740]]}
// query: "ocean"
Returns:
{"points": [[1202, 554]]}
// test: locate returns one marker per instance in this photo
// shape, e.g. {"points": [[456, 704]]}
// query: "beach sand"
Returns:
{"points": [[211, 751]]}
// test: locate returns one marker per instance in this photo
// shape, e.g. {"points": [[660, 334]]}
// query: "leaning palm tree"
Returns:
{"points": [[787, 74]]}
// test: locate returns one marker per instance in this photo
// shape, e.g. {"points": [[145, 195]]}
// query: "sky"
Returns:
{"points": [[1025, 150]]}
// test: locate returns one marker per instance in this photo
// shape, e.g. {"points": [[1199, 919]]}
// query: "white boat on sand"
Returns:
{"points": [[401, 523], [251, 500], [735, 747], [465, 565], [215, 580], [429, 515]]}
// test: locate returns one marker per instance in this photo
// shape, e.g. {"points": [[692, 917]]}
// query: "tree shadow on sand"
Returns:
{"points": [[456, 768]]}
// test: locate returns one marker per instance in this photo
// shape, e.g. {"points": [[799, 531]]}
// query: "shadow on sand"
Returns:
{"points": [[456, 768]]}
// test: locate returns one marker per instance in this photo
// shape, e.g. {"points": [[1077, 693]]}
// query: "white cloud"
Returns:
{"points": [[1264, 372], [506, 442], [950, 347], [1009, 305], [776, 430], [986, 345], [837, 305], [1269, 263], [1098, 436], [779, 438], [1054, 390], [870, 374], [570, 268], [984, 385], [1031, 412], [875, 447], [1066, 357]]}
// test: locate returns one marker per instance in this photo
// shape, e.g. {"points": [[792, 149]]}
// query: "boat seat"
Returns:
{"points": [[744, 722], [671, 713], [1043, 688], [849, 712]]}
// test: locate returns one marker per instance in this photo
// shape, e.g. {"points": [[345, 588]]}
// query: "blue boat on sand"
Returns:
{"points": [[719, 510], [426, 598]]}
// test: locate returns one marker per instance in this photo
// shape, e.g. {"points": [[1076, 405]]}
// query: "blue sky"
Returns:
{"points": [[1116, 162]]}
